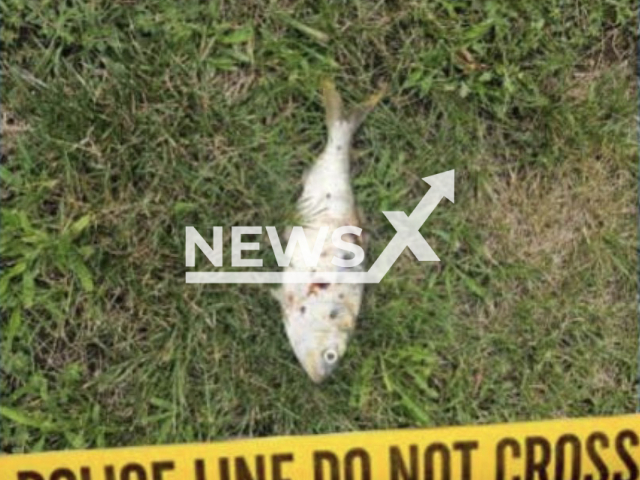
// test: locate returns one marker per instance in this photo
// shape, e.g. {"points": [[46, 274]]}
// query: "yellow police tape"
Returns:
{"points": [[585, 449]]}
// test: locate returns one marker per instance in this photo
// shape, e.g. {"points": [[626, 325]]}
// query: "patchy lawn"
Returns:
{"points": [[124, 122]]}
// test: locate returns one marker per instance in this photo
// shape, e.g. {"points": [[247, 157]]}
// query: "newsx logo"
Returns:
{"points": [[283, 258], [407, 235]]}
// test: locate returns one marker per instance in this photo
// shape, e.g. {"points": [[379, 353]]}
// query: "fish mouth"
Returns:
{"points": [[317, 371], [317, 376], [311, 351]]}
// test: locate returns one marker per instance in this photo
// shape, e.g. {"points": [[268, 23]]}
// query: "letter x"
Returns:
{"points": [[409, 235]]}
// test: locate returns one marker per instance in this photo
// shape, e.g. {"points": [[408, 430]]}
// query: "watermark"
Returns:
{"points": [[407, 235]]}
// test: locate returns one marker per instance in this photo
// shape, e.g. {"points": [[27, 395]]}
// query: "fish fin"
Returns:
{"points": [[332, 103], [364, 235], [305, 175], [278, 294], [360, 112], [334, 108]]}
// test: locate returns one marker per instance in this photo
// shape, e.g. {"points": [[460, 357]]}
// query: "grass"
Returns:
{"points": [[124, 122]]}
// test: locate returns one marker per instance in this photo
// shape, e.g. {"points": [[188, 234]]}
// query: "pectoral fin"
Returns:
{"points": [[278, 294]]}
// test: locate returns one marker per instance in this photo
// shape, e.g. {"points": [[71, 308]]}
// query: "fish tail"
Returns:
{"points": [[332, 103], [335, 112], [360, 112]]}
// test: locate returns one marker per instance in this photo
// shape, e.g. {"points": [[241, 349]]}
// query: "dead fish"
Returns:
{"points": [[320, 316]]}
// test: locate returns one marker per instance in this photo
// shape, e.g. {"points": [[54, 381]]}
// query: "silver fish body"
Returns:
{"points": [[320, 316]]}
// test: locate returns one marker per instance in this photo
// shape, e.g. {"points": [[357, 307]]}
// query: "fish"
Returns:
{"points": [[320, 316]]}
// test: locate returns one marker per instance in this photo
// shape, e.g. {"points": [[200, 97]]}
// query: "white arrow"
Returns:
{"points": [[408, 234]]}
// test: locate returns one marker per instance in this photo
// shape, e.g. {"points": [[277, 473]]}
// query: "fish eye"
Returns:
{"points": [[330, 356]]}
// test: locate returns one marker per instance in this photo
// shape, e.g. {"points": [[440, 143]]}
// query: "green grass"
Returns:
{"points": [[124, 122]]}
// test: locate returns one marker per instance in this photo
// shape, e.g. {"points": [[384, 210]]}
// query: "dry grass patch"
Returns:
{"points": [[543, 218]]}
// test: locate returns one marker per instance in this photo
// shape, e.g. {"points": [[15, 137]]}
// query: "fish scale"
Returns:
{"points": [[319, 316]]}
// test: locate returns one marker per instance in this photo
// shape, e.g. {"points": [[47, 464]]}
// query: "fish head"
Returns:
{"points": [[319, 332]]}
